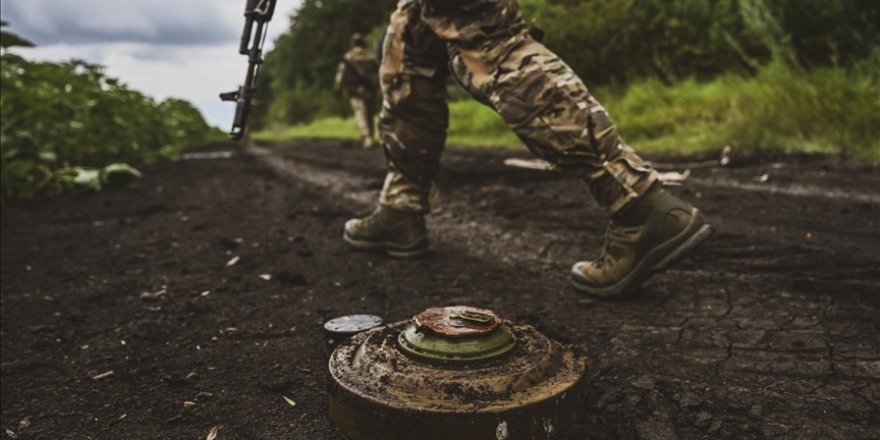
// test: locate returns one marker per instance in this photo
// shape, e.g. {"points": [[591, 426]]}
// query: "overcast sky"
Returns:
{"points": [[163, 48]]}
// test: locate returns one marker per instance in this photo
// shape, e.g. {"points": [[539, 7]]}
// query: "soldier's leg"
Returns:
{"points": [[359, 106], [551, 110], [370, 108], [412, 125]]}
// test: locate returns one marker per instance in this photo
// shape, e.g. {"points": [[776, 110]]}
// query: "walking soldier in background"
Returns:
{"points": [[492, 54], [357, 74]]}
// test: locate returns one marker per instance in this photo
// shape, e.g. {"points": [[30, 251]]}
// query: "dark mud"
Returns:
{"points": [[768, 331]]}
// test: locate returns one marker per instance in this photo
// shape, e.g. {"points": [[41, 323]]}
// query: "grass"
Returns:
{"points": [[827, 110], [471, 124], [830, 110], [331, 127]]}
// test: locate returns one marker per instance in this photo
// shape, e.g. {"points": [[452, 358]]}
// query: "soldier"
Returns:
{"points": [[490, 52], [357, 73]]}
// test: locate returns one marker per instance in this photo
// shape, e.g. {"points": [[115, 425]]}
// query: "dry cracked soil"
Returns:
{"points": [[123, 315]]}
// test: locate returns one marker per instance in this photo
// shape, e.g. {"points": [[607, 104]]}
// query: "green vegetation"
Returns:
{"points": [[677, 75], [329, 127], [296, 82], [830, 110], [61, 122], [616, 42], [471, 124]]}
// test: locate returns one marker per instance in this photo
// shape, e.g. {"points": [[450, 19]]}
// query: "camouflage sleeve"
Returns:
{"points": [[340, 75]]}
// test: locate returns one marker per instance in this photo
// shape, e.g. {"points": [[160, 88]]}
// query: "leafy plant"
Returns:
{"points": [[9, 39], [60, 116]]}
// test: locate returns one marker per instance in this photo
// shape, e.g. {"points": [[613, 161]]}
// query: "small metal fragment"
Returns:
{"points": [[352, 324]]}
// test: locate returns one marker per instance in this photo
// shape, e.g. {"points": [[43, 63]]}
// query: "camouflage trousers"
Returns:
{"points": [[362, 115], [486, 46]]}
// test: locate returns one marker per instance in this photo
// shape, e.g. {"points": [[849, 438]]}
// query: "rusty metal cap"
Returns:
{"points": [[457, 321]]}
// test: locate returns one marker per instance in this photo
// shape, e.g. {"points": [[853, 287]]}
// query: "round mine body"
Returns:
{"points": [[381, 390]]}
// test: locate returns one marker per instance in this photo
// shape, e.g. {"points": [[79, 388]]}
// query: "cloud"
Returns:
{"points": [[176, 22], [182, 48]]}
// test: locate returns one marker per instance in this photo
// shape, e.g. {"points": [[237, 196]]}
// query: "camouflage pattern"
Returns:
{"points": [[357, 75], [363, 117], [487, 47]]}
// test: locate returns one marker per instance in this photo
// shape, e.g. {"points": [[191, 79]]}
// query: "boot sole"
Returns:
{"points": [[658, 260], [419, 249]]}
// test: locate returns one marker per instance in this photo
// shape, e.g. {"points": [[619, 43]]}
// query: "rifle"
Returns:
{"points": [[257, 14]]}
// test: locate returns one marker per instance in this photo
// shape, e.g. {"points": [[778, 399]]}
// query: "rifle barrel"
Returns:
{"points": [[251, 44]]}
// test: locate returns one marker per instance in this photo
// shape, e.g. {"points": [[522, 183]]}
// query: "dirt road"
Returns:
{"points": [[203, 291]]}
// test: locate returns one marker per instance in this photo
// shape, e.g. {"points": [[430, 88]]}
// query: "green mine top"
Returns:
{"points": [[458, 334]]}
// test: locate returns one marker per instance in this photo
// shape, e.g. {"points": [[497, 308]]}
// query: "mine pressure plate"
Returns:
{"points": [[458, 333], [387, 382]]}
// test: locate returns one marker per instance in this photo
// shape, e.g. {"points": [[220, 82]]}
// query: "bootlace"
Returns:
{"points": [[377, 217], [617, 237]]}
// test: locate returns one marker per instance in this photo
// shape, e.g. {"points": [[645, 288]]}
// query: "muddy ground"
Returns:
{"points": [[769, 331]]}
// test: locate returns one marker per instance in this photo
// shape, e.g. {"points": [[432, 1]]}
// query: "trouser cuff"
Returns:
{"points": [[620, 183], [405, 195]]}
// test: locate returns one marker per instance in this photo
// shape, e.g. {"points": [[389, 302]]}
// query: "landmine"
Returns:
{"points": [[454, 373]]}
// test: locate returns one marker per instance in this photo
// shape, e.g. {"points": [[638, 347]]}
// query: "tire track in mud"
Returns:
{"points": [[494, 242], [452, 224], [750, 247], [759, 185], [796, 190]]}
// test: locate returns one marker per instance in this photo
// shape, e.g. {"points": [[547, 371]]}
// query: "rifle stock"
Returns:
{"points": [[257, 15]]}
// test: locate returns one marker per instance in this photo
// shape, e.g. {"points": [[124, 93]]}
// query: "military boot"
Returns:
{"points": [[399, 233], [650, 236]]}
